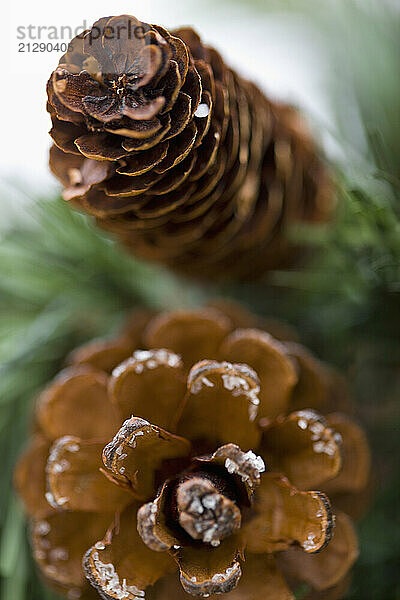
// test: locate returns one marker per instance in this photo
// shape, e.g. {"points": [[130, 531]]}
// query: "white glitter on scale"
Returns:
{"points": [[321, 435], [74, 447], [202, 111], [249, 462], [239, 385], [199, 383], [309, 544], [235, 384], [324, 447], [43, 528], [148, 359], [109, 580], [221, 577], [58, 554]]}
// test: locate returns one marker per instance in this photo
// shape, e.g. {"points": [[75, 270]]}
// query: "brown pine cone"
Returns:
{"points": [[187, 162], [144, 463]]}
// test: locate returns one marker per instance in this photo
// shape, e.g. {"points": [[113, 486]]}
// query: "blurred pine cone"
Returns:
{"points": [[188, 163], [217, 464]]}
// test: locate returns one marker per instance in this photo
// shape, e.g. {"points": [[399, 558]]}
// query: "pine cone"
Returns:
{"points": [[187, 162], [217, 464]]}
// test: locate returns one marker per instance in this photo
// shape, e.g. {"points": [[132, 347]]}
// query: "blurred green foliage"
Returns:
{"points": [[63, 282]]}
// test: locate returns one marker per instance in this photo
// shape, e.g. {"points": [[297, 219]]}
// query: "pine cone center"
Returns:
{"points": [[205, 513]]}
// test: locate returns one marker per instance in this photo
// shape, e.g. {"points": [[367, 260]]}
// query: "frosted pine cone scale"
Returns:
{"points": [[219, 485]]}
